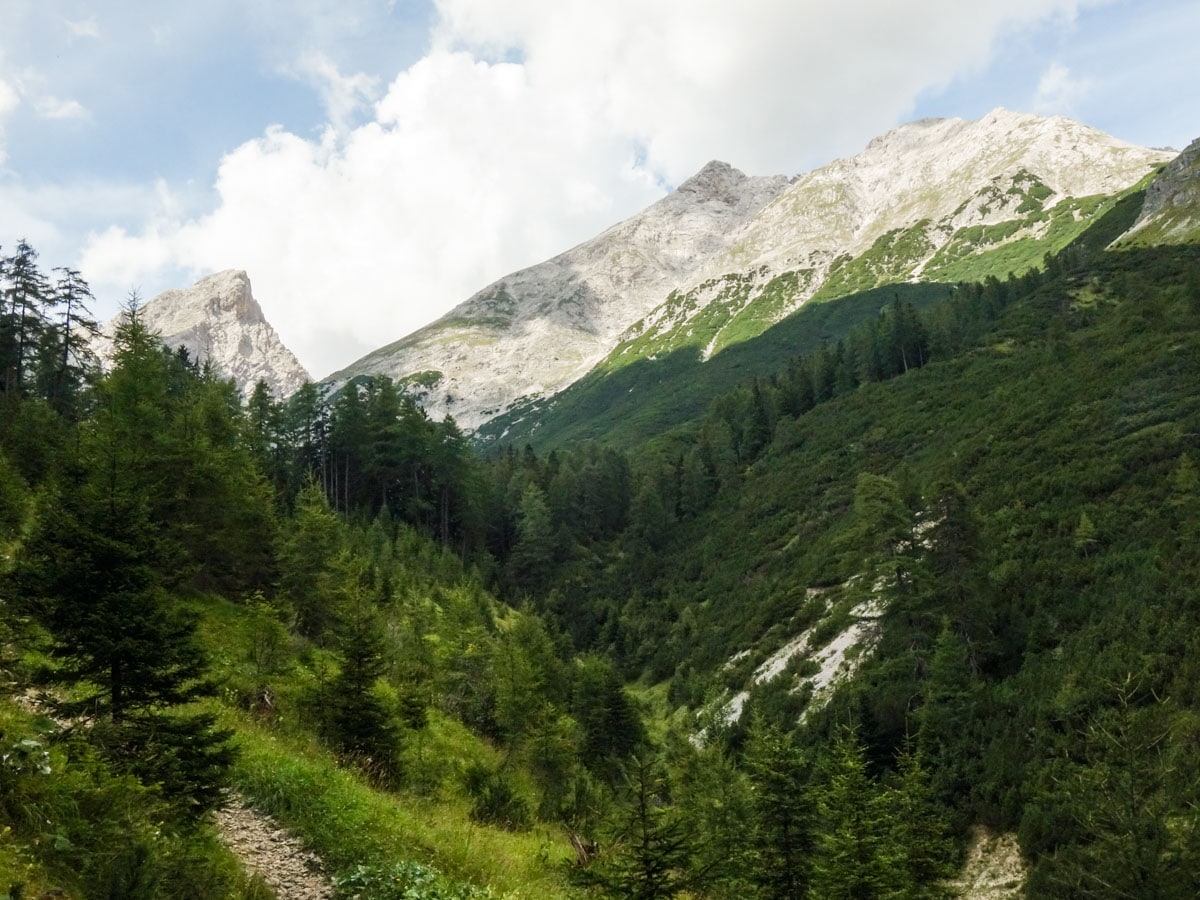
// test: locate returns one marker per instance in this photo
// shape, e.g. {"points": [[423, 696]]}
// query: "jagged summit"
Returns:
{"points": [[926, 170], [717, 180], [217, 319], [220, 294]]}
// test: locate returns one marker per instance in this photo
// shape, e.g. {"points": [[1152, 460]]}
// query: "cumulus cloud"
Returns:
{"points": [[8, 102], [531, 125], [1059, 92], [342, 96]]}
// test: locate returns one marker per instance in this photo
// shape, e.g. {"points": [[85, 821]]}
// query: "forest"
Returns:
{"points": [[462, 670]]}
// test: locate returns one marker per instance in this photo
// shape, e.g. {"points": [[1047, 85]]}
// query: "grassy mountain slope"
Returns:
{"points": [[630, 403], [701, 342], [1080, 400]]}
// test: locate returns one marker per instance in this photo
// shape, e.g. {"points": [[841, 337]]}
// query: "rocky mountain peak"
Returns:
{"points": [[925, 196], [221, 294], [535, 331], [218, 320], [718, 180]]}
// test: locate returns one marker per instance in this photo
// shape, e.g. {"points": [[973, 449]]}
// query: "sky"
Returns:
{"points": [[372, 163]]}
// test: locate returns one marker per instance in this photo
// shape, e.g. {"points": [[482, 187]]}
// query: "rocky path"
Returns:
{"points": [[267, 850]]}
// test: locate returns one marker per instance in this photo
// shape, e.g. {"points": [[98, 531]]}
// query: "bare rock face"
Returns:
{"points": [[941, 170], [537, 330], [1171, 211], [916, 201], [218, 320]]}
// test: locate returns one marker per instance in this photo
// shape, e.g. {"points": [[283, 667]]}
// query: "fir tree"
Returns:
{"points": [[850, 856], [647, 852], [784, 812], [98, 569]]}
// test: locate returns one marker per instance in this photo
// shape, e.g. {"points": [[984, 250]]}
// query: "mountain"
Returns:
{"points": [[1171, 214], [218, 320], [726, 256], [935, 200], [537, 330]]}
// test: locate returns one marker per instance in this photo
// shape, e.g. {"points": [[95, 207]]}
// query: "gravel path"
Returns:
{"points": [[268, 850]]}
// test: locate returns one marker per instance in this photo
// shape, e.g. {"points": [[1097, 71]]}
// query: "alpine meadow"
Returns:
{"points": [[834, 536]]}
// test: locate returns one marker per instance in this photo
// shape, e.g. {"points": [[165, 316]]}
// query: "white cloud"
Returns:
{"points": [[9, 101], [517, 134], [1059, 92], [50, 107], [83, 28], [341, 95]]}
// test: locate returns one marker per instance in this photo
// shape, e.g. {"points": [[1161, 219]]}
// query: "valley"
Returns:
{"points": [[810, 567]]}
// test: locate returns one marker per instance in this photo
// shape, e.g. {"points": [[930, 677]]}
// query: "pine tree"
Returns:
{"points": [[24, 295], [531, 558], [883, 532], [945, 721], [98, 571], [920, 853], [356, 719], [65, 357], [309, 547]]}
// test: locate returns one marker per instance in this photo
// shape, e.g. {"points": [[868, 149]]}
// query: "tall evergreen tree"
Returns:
{"points": [[65, 355], [98, 570], [785, 821], [357, 721], [24, 295], [647, 852], [851, 850]]}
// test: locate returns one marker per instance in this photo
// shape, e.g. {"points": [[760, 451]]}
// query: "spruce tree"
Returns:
{"points": [[356, 719], [920, 853], [851, 847], [647, 852], [784, 815], [98, 569]]}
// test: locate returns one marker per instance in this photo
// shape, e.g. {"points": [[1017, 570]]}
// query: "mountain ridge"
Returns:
{"points": [[726, 255]]}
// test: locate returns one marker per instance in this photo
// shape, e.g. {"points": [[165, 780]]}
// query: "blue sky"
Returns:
{"points": [[372, 163]]}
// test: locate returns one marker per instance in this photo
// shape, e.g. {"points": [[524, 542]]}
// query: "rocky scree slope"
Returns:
{"points": [[726, 256], [218, 320], [537, 330]]}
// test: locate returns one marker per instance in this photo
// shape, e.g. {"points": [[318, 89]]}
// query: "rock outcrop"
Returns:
{"points": [[218, 320], [1171, 211]]}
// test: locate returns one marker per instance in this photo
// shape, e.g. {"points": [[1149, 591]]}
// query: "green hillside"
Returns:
{"points": [[724, 330], [631, 403], [789, 622], [1015, 516]]}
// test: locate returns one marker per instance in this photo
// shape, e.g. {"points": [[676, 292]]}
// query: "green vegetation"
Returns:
{"points": [[646, 398], [426, 379], [513, 676]]}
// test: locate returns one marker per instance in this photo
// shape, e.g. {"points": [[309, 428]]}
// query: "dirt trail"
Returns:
{"points": [[269, 851]]}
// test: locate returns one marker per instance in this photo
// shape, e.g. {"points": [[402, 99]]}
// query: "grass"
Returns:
{"points": [[649, 397], [347, 822], [338, 812]]}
